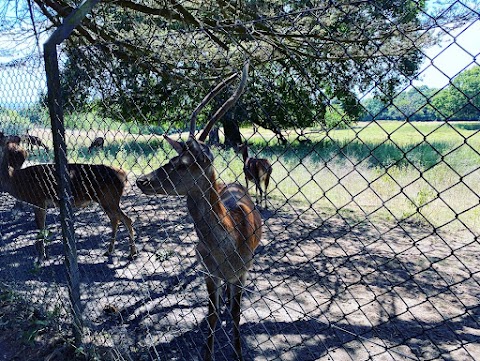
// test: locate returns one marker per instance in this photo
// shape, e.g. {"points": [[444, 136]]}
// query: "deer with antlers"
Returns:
{"points": [[37, 185], [257, 170], [226, 221]]}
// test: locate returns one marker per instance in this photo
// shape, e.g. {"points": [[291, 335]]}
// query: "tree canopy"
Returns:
{"points": [[461, 99], [153, 61]]}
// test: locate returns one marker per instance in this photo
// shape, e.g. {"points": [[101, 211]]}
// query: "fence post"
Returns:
{"points": [[60, 151], [64, 191]]}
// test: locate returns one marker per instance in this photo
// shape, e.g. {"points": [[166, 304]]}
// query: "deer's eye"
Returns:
{"points": [[185, 160], [180, 162]]}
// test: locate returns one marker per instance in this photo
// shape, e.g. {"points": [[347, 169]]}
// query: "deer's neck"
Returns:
{"points": [[245, 155], [208, 211], [221, 248]]}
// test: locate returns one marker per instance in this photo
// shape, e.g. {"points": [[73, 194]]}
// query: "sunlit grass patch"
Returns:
{"points": [[427, 173], [415, 172]]}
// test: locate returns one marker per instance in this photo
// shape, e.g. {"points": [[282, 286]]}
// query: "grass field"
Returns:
{"points": [[421, 172], [425, 173]]}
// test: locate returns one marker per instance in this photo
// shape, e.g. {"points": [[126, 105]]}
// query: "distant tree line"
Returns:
{"points": [[459, 100]]}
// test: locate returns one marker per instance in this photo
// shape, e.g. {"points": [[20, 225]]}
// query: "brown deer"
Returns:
{"points": [[257, 170], [17, 158], [226, 221], [37, 185], [96, 144], [32, 140]]}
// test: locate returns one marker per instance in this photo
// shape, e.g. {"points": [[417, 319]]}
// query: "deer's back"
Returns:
{"points": [[89, 182], [257, 168]]}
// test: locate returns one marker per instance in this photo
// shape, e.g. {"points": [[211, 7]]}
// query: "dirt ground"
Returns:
{"points": [[322, 287]]}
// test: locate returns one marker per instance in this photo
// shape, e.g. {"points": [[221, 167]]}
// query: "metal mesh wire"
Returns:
{"points": [[370, 228]]}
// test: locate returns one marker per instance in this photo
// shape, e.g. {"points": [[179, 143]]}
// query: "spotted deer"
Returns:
{"points": [[37, 185], [257, 170], [228, 225]]}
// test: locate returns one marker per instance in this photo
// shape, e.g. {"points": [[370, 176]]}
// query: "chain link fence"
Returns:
{"points": [[367, 113]]}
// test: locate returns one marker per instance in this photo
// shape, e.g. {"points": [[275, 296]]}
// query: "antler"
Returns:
{"points": [[207, 98], [228, 104]]}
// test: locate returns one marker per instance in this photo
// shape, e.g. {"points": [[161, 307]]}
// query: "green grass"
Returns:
{"points": [[425, 173]]}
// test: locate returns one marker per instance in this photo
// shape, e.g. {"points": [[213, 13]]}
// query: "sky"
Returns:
{"points": [[458, 51]]}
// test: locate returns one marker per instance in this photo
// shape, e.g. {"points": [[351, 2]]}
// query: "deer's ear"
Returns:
{"points": [[175, 145]]}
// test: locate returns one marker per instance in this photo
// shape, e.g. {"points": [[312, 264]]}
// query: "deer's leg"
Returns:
{"points": [[258, 190], [213, 289], [267, 181], [261, 193], [114, 222], [116, 215], [127, 222], [40, 217], [235, 299]]}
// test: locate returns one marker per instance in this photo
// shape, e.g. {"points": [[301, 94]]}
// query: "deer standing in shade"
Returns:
{"points": [[257, 170], [226, 221], [38, 186]]}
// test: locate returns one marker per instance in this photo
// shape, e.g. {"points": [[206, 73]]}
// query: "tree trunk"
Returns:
{"points": [[231, 130]]}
